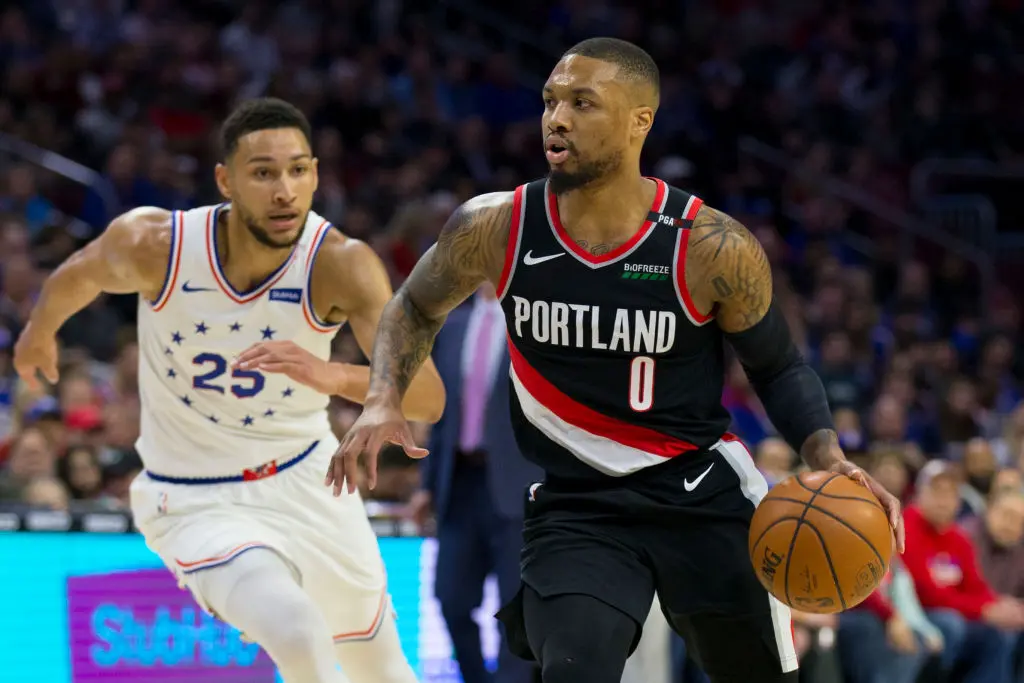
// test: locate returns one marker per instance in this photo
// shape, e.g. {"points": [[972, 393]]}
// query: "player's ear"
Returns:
{"points": [[315, 168], [643, 119], [220, 173]]}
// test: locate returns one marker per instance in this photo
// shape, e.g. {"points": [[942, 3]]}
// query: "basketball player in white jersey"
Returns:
{"points": [[233, 497]]}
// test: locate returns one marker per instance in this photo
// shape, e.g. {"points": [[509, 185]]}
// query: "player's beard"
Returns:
{"points": [[586, 172], [261, 235]]}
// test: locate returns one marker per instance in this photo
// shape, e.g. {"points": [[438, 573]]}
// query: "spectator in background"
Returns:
{"points": [[974, 620], [888, 637], [31, 457], [979, 465], [998, 537], [889, 469], [774, 459], [81, 472]]}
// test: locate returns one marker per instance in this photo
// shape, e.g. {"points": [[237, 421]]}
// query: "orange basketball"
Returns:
{"points": [[820, 542]]}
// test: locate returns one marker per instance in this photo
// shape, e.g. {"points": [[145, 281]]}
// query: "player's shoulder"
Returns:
{"points": [[146, 232], [715, 233], [483, 222], [489, 213], [343, 261]]}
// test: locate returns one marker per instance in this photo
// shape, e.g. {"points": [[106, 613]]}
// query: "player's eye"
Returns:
{"points": [[583, 104], [300, 170], [262, 173], [549, 103]]}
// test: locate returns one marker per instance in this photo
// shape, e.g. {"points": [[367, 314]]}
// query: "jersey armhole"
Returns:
{"points": [[515, 238], [312, 318], [173, 262], [693, 205]]}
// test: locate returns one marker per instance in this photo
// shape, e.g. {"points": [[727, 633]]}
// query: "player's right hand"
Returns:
{"points": [[35, 354], [377, 425]]}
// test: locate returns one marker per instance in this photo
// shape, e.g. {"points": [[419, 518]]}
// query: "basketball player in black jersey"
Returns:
{"points": [[619, 293]]}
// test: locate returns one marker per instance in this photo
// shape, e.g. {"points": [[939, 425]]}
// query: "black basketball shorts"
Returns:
{"points": [[678, 529]]}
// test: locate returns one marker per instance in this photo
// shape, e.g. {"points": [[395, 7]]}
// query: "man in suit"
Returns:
{"points": [[475, 479]]}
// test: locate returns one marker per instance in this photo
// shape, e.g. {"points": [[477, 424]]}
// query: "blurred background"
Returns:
{"points": [[875, 148]]}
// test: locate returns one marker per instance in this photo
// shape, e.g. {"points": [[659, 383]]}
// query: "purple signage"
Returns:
{"points": [[139, 626]]}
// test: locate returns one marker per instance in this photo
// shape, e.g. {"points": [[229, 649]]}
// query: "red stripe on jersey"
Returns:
{"points": [[684, 243], [513, 240], [589, 420]]}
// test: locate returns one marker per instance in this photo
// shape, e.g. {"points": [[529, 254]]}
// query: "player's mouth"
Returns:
{"points": [[284, 220], [556, 150]]}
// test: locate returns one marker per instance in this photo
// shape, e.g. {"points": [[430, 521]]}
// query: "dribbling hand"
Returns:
{"points": [[889, 502], [36, 354], [378, 424]]}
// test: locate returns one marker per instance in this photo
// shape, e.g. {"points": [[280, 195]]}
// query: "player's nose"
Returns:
{"points": [[560, 120]]}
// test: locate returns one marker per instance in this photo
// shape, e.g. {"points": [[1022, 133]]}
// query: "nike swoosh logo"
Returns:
{"points": [[529, 260], [186, 288], [691, 485]]}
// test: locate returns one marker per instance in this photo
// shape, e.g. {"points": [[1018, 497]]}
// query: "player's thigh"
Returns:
{"points": [[711, 596], [563, 557], [195, 529], [578, 637], [334, 548]]}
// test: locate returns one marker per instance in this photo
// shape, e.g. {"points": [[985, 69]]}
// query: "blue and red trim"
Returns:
{"points": [[173, 262], [218, 273], [217, 560], [370, 632], [307, 297]]}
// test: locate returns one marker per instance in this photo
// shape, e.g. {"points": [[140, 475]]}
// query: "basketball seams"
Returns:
{"points": [[839, 519], [788, 518], [821, 492], [828, 560], [796, 531]]}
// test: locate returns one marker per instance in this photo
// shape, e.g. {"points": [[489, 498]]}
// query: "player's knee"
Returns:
{"points": [[571, 660], [596, 653], [302, 635]]}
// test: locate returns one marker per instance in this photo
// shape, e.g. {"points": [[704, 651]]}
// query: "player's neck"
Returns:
{"points": [[242, 258], [609, 210]]}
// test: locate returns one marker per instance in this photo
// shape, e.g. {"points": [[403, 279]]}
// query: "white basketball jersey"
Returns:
{"points": [[201, 418]]}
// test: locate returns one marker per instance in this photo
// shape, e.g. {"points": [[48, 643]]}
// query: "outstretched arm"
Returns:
{"points": [[730, 273], [469, 251], [130, 256]]}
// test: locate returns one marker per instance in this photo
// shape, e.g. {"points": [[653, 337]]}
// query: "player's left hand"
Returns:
{"points": [[890, 503], [378, 424], [288, 358]]}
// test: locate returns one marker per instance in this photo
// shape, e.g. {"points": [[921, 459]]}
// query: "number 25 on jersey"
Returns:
{"points": [[250, 382], [641, 384]]}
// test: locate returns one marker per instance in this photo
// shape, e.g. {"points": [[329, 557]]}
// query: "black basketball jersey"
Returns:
{"points": [[613, 368]]}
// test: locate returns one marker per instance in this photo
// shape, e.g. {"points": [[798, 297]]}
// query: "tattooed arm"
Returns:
{"points": [[727, 272], [729, 259], [469, 251]]}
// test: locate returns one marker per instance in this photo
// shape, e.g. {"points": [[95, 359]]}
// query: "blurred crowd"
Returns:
{"points": [[415, 111]]}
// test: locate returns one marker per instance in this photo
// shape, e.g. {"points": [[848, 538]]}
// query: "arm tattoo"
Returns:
{"points": [[726, 255], [820, 448], [469, 250]]}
